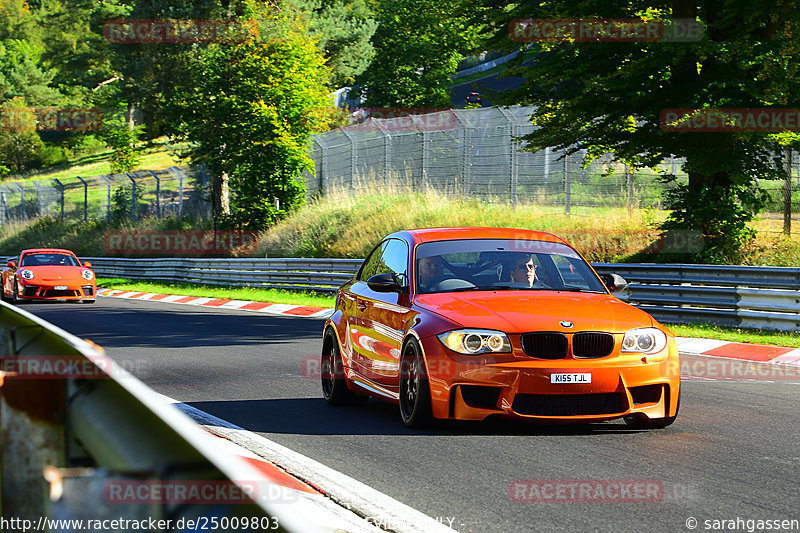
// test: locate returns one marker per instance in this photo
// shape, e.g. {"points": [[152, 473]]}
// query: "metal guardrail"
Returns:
{"points": [[744, 296], [69, 438]]}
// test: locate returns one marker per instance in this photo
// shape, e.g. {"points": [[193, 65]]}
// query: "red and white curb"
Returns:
{"points": [[331, 499], [222, 303], [737, 350]]}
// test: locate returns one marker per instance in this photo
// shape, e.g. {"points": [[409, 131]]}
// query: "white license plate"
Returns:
{"points": [[60, 287], [571, 378]]}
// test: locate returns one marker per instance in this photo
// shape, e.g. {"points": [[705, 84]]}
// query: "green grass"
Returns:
{"points": [[276, 296], [156, 155], [724, 333]]}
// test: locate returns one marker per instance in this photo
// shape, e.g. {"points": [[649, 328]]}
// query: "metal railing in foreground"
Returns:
{"points": [[82, 439], [751, 297]]}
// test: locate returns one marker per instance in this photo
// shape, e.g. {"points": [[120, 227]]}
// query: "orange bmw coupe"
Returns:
{"points": [[49, 274], [468, 323]]}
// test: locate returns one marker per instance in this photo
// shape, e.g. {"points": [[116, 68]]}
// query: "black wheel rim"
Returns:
{"points": [[409, 384], [327, 371]]}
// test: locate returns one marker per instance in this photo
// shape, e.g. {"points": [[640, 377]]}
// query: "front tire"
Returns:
{"points": [[334, 382], [415, 390], [15, 293]]}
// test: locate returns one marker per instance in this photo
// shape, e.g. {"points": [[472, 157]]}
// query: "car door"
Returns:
{"points": [[354, 305], [383, 317]]}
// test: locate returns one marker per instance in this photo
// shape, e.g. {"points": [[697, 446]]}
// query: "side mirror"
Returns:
{"points": [[386, 282], [87, 264], [11, 264], [614, 282]]}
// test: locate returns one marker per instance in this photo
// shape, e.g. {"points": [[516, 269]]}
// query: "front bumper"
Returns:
{"points": [[476, 387], [54, 291]]}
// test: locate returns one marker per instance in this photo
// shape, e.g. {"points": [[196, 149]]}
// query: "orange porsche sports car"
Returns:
{"points": [[467, 323], [49, 274]]}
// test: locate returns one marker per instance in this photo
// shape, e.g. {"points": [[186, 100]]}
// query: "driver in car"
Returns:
{"points": [[429, 269]]}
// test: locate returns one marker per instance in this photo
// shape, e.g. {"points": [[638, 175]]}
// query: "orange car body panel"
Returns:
{"points": [[372, 327], [50, 282]]}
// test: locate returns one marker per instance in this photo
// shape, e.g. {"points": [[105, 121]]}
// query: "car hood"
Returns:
{"points": [[55, 273], [521, 311]]}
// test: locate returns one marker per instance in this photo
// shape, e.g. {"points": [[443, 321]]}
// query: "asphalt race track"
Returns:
{"points": [[732, 453]]}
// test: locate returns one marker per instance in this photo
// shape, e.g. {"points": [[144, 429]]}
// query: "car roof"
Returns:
{"points": [[446, 234], [46, 250]]}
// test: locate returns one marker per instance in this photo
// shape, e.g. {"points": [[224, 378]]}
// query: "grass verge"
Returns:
{"points": [[725, 333], [276, 296]]}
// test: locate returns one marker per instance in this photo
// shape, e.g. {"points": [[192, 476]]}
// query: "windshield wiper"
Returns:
{"points": [[578, 289], [484, 288]]}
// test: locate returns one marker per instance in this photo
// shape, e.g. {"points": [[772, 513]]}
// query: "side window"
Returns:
{"points": [[371, 264], [394, 259]]}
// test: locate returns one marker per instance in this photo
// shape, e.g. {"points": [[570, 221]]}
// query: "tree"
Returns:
{"points": [[418, 45], [344, 30], [608, 97], [249, 110]]}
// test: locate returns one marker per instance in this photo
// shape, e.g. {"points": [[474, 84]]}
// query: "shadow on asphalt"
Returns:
{"points": [[312, 416], [174, 326]]}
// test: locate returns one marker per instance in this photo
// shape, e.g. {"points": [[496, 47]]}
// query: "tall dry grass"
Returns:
{"points": [[348, 223]]}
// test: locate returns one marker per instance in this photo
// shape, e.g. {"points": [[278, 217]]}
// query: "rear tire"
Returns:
{"points": [[415, 390], [334, 382]]}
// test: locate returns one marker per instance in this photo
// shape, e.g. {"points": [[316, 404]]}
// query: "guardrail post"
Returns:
{"points": [[61, 185], [85, 198]]}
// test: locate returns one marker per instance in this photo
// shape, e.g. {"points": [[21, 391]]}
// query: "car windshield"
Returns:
{"points": [[48, 259], [501, 264]]}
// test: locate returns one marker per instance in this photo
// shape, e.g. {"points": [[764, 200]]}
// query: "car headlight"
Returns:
{"points": [[644, 340], [87, 275], [476, 341], [26, 274]]}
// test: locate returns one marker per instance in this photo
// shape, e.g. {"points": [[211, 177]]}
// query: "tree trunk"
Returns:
{"points": [[220, 194]]}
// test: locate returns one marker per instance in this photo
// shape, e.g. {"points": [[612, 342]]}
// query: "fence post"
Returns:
{"points": [[6, 214], [108, 196], [39, 208], [158, 193], [567, 184], [787, 192], [61, 185], [85, 198], [546, 165], [133, 196], [629, 175], [21, 200]]}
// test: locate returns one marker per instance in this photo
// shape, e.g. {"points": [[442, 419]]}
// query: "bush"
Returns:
{"points": [[52, 155]]}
